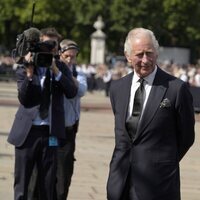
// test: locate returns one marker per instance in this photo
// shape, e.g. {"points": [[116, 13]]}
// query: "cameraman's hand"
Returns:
{"points": [[54, 68], [29, 65]]}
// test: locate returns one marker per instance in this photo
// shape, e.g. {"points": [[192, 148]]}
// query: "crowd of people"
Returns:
{"points": [[99, 75]]}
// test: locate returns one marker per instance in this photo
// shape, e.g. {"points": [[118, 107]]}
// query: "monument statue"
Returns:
{"points": [[98, 43]]}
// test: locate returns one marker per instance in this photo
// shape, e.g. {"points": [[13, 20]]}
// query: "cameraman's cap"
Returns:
{"points": [[68, 44]]}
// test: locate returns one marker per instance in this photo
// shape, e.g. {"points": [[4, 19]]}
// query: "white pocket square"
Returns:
{"points": [[165, 103]]}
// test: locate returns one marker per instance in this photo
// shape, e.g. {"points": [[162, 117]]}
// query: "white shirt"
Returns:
{"points": [[42, 74], [148, 81]]}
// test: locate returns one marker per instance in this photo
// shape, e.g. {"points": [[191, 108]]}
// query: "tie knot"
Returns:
{"points": [[141, 81]]}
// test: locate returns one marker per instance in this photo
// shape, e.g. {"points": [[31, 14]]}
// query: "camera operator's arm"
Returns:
{"points": [[82, 84], [29, 89], [29, 67], [65, 79]]}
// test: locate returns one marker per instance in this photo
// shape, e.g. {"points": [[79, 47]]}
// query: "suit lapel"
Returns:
{"points": [[156, 95], [125, 96]]}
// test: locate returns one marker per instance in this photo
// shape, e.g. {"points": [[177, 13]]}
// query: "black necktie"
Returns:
{"points": [[132, 122], [138, 99], [46, 92]]}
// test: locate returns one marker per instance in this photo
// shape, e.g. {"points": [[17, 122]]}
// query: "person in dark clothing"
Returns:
{"points": [[154, 126], [39, 122]]}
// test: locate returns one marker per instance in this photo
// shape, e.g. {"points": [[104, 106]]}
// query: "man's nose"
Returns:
{"points": [[144, 58], [68, 58]]}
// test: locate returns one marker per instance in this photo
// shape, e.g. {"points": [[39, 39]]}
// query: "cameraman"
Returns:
{"points": [[39, 122]]}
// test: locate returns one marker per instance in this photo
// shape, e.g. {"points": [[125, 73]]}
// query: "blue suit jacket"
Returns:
{"points": [[29, 95]]}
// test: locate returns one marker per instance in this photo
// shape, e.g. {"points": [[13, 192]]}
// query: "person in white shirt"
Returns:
{"points": [[65, 153]]}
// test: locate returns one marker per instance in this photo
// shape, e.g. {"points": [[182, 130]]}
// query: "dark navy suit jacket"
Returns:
{"points": [[29, 95], [164, 135]]}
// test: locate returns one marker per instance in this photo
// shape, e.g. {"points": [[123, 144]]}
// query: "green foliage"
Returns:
{"points": [[174, 22]]}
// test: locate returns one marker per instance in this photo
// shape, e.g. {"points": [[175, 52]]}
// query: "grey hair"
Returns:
{"points": [[136, 33]]}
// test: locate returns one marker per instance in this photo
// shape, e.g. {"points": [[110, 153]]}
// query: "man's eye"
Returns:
{"points": [[149, 53], [139, 55]]}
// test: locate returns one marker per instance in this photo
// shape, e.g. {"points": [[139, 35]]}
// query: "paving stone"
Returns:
{"points": [[94, 146]]}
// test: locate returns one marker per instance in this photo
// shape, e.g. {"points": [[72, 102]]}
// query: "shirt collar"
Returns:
{"points": [[149, 79]]}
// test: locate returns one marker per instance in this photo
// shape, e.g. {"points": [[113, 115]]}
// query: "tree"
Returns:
{"points": [[174, 22]]}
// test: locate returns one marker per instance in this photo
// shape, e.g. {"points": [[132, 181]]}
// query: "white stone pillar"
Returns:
{"points": [[98, 43]]}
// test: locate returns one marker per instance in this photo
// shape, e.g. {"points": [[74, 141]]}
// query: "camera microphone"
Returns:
{"points": [[26, 40], [32, 35]]}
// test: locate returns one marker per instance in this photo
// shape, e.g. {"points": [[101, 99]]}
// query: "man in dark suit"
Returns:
{"points": [[154, 128], [36, 132]]}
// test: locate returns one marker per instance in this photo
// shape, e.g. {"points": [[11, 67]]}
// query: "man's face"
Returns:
{"points": [[69, 56], [143, 56]]}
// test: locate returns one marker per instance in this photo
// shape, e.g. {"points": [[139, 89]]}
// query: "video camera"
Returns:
{"points": [[29, 41]]}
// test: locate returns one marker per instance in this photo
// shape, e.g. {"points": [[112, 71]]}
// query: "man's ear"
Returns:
{"points": [[127, 57]]}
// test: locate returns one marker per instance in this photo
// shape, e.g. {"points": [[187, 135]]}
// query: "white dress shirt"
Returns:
{"points": [[148, 81], [42, 74]]}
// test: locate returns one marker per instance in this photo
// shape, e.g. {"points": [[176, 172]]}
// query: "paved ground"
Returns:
{"points": [[95, 143]]}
